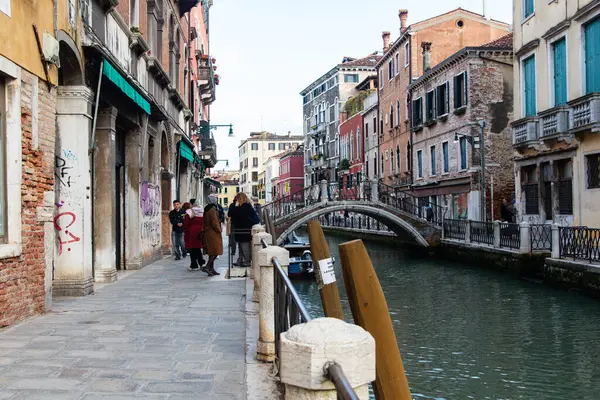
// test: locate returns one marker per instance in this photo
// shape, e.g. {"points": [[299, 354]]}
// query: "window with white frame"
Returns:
{"points": [[392, 162], [460, 90], [397, 63], [381, 79], [398, 112], [408, 166], [445, 158], [419, 163], [432, 158], [442, 101], [390, 69], [398, 158], [528, 78], [358, 146], [352, 146], [134, 13], [406, 54], [528, 8]]}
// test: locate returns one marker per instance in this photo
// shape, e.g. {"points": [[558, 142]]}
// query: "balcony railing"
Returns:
{"points": [[585, 113], [525, 131], [554, 121]]}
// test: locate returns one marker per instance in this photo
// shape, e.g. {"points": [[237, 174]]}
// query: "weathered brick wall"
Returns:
{"points": [[22, 291]]}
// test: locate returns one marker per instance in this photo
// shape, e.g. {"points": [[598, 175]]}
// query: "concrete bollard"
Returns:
{"points": [[255, 230], [307, 348], [496, 234], [266, 321], [555, 241], [256, 247], [525, 237]]}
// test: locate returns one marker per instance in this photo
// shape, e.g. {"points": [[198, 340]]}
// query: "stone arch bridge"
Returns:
{"points": [[403, 213]]}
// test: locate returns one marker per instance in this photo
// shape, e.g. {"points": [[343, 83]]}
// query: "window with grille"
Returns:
{"points": [[547, 188], [593, 171], [529, 185], [565, 187]]}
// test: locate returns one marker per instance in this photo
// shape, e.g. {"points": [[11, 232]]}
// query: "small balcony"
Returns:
{"points": [[554, 122], [206, 81], [525, 132], [585, 113], [208, 151], [318, 129]]}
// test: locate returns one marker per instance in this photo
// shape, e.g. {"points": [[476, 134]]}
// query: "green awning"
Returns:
{"points": [[186, 151], [211, 181], [115, 77]]}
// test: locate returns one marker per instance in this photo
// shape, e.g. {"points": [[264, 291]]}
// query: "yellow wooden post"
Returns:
{"points": [[370, 311], [330, 297]]}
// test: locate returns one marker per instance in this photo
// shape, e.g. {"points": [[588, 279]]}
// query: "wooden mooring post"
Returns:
{"points": [[370, 311], [323, 264]]}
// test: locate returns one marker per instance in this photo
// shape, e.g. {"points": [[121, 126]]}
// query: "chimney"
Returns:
{"points": [[426, 55], [403, 14], [386, 40]]}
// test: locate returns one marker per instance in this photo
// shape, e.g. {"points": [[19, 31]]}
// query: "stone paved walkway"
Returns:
{"points": [[160, 333]]}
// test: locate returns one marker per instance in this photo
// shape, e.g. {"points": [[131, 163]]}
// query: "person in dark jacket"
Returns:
{"points": [[192, 230], [243, 218], [213, 239], [176, 216], [506, 213]]}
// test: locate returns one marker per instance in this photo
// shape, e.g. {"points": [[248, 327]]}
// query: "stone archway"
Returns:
{"points": [[70, 72]]}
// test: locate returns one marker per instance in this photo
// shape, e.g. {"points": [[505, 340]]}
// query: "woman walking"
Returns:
{"points": [[213, 241], [192, 235], [243, 217]]}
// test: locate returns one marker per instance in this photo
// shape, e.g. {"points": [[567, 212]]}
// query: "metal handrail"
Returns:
{"points": [[331, 370]]}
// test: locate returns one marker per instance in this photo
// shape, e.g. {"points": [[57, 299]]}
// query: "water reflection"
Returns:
{"points": [[468, 333]]}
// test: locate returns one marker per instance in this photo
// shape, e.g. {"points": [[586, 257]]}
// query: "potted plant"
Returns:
{"points": [[135, 29], [344, 164]]}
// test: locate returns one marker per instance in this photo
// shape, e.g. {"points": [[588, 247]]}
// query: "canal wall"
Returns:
{"points": [[573, 276]]}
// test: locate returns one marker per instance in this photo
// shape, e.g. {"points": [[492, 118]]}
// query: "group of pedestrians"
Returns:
{"points": [[197, 231]]}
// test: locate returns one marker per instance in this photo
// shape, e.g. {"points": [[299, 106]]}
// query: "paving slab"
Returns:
{"points": [[161, 333]]}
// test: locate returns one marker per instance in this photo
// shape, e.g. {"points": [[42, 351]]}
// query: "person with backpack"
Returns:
{"points": [[243, 218]]}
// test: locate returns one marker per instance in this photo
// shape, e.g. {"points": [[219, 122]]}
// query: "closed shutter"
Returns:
{"points": [[560, 72], [592, 56], [465, 86], [447, 94], [529, 72]]}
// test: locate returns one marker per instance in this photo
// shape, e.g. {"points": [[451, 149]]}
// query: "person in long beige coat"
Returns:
{"points": [[213, 241]]}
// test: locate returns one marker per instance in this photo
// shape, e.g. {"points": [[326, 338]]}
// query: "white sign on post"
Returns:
{"points": [[326, 271]]}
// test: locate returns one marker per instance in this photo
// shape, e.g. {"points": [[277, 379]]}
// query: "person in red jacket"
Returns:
{"points": [[192, 235]]}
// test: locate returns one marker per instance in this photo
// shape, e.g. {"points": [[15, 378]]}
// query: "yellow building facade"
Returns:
{"points": [[557, 111], [227, 192]]}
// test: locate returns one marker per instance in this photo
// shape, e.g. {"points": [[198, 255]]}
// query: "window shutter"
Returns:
{"points": [[465, 87], [530, 100], [456, 93], [592, 56], [560, 72], [447, 94]]}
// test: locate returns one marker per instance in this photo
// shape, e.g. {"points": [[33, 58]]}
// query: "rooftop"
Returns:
{"points": [[504, 42], [369, 61]]}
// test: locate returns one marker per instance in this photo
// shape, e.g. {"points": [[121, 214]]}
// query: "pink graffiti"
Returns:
{"points": [[58, 226]]}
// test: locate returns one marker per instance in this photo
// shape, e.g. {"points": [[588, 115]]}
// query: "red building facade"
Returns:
{"points": [[351, 150], [291, 172]]}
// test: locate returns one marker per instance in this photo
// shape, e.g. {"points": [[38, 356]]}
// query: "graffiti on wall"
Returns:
{"points": [[150, 219], [62, 223], [62, 170]]}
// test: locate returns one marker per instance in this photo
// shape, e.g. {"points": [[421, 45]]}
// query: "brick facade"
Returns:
{"points": [[22, 278], [447, 33], [453, 181]]}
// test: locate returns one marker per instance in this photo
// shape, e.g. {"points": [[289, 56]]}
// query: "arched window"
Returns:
{"points": [[358, 144], [382, 166], [392, 162], [398, 112], [351, 146], [171, 48], [398, 158], [391, 116], [375, 166], [408, 157]]}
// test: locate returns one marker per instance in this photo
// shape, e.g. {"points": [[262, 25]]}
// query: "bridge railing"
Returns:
{"points": [[289, 311], [352, 221], [293, 202], [579, 243], [404, 201]]}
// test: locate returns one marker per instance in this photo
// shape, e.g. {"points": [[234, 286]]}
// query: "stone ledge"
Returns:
{"points": [[574, 265], [477, 246], [73, 287]]}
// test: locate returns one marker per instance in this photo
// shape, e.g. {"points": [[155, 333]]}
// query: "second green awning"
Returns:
{"points": [[186, 151], [115, 77]]}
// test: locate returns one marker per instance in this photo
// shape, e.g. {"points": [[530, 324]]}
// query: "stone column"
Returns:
{"points": [[133, 249], [468, 231], [496, 234], [374, 191], [258, 228], [324, 195], [555, 241], [104, 197], [525, 232], [313, 346], [73, 204], [266, 321], [256, 247]]}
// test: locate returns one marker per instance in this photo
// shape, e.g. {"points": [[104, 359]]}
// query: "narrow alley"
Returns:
{"points": [[159, 333]]}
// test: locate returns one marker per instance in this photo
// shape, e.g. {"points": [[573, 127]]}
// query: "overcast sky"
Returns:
{"points": [[267, 51]]}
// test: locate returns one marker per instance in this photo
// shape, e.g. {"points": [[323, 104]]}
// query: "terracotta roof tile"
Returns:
{"points": [[504, 42], [369, 61]]}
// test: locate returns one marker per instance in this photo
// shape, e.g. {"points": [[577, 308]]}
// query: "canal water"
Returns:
{"points": [[468, 333]]}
